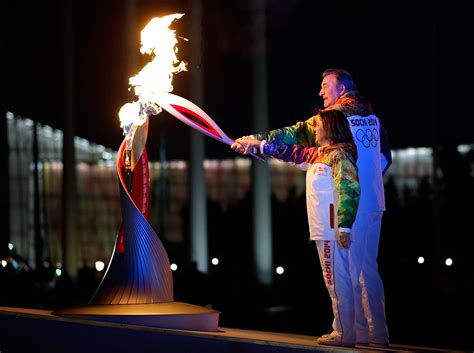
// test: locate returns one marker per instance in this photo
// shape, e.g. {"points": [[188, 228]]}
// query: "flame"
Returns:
{"points": [[155, 77]]}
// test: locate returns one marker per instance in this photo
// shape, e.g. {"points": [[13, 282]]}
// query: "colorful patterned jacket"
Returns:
{"points": [[332, 183], [302, 133]]}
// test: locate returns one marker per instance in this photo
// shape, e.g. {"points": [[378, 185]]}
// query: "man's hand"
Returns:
{"points": [[238, 147], [245, 145], [343, 239]]}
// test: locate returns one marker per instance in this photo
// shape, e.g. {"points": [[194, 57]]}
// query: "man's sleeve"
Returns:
{"points": [[302, 133], [386, 154], [346, 182]]}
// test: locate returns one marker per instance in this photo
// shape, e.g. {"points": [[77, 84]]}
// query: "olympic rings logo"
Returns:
{"points": [[368, 137]]}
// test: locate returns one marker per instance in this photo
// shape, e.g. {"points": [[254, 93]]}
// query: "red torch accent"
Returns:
{"points": [[331, 215], [120, 247], [206, 125], [139, 192]]}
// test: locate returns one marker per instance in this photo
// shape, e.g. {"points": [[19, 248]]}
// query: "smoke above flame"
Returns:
{"points": [[156, 77]]}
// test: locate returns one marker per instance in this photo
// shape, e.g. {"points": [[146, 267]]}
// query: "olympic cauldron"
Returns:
{"points": [[137, 287]]}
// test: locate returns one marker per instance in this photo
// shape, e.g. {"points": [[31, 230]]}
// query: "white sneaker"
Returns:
{"points": [[333, 339]]}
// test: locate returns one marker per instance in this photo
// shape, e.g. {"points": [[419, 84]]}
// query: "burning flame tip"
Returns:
{"points": [[156, 77]]}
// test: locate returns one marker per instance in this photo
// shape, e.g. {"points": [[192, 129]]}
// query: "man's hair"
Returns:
{"points": [[336, 125], [343, 77]]}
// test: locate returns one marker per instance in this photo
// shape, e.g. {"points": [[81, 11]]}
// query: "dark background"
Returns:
{"points": [[411, 59]]}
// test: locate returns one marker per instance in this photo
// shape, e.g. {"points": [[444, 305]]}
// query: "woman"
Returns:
{"points": [[332, 197]]}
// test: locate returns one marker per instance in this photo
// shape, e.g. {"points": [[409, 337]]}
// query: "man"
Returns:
{"points": [[339, 91]]}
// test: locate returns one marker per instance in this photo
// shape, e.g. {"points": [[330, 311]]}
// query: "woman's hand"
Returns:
{"points": [[343, 239]]}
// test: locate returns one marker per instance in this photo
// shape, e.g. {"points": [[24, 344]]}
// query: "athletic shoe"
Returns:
{"points": [[333, 339]]}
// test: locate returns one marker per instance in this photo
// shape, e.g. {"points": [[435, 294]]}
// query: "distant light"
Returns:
{"points": [[4, 263], [211, 164], [174, 267], [106, 155], [427, 151], [411, 152], [279, 270], [45, 264], [448, 261], [463, 149], [227, 164], [48, 131], [180, 165], [215, 261], [421, 260], [242, 163], [10, 246], [58, 272], [99, 265], [59, 265], [15, 264]]}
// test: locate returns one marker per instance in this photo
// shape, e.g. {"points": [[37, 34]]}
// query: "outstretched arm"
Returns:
{"points": [[295, 154], [302, 133]]}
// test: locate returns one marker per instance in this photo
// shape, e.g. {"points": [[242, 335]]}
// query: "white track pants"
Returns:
{"points": [[369, 296], [335, 265]]}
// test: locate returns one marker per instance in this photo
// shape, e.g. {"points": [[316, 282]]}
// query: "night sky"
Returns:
{"points": [[411, 59]]}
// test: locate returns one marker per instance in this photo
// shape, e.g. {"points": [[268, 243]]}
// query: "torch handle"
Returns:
{"points": [[254, 152]]}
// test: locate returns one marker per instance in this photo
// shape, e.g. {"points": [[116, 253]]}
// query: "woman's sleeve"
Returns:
{"points": [[295, 154], [346, 182]]}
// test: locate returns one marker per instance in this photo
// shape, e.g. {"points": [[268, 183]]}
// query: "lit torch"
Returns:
{"points": [[154, 79], [152, 87]]}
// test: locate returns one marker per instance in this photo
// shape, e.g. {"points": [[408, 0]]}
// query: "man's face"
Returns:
{"points": [[331, 90]]}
